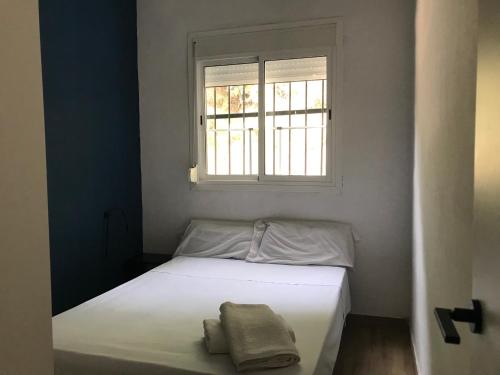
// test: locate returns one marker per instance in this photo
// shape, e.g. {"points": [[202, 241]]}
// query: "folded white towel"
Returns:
{"points": [[215, 339], [256, 337]]}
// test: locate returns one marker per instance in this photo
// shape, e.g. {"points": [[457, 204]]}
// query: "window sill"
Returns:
{"points": [[304, 187]]}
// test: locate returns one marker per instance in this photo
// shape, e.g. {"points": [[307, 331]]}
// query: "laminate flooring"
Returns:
{"points": [[375, 346]]}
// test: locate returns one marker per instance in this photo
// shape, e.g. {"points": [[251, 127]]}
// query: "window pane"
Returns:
{"points": [[236, 99], [255, 151], [210, 101], [231, 97], [281, 94], [323, 169], [295, 124], [221, 100], [295, 70], [282, 121], [236, 123], [252, 122], [314, 149], [314, 94], [295, 121], [251, 151], [298, 146], [298, 95], [298, 121], [269, 97], [237, 152], [297, 152], [210, 124], [269, 145], [323, 137], [222, 153], [281, 145], [210, 152], [248, 151], [251, 98], [282, 154], [314, 119], [222, 123]]}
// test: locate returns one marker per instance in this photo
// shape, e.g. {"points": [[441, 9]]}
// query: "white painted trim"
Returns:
{"points": [[191, 90], [272, 26], [200, 131], [337, 104], [232, 185], [333, 182], [329, 178], [262, 121]]}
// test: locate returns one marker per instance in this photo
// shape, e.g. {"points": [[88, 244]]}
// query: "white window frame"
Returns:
{"points": [[201, 130], [333, 178]]}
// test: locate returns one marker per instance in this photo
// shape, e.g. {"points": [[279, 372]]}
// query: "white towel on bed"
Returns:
{"points": [[215, 339], [256, 337]]}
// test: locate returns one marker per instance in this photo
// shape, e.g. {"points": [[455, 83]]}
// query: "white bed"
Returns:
{"points": [[153, 324]]}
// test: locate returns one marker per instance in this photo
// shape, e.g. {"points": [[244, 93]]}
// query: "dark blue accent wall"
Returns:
{"points": [[90, 85]]}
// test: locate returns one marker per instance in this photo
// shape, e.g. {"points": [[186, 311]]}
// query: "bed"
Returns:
{"points": [[153, 324]]}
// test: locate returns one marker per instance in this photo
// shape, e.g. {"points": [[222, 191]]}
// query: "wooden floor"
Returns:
{"points": [[375, 346]]}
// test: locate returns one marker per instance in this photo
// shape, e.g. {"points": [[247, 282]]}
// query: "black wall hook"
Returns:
{"points": [[445, 318]]}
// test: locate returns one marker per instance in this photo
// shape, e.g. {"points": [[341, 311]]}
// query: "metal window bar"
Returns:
{"points": [[274, 129], [291, 112], [305, 141], [244, 132], [268, 113], [278, 128], [280, 146], [322, 124], [289, 130], [229, 129], [228, 116], [272, 113], [215, 133], [206, 133], [250, 147]]}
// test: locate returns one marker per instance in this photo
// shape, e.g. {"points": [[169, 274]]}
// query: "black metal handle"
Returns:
{"points": [[445, 318]]}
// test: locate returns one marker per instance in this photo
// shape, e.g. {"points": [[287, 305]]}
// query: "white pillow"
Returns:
{"points": [[296, 242], [216, 239]]}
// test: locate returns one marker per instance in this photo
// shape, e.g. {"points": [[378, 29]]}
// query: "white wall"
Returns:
{"points": [[25, 312], [443, 177], [377, 134]]}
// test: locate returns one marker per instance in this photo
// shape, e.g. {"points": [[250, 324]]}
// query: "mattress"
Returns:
{"points": [[153, 324]]}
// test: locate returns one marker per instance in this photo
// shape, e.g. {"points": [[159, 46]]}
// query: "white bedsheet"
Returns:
{"points": [[153, 324]]}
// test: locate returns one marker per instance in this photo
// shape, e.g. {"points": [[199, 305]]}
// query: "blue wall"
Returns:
{"points": [[89, 62]]}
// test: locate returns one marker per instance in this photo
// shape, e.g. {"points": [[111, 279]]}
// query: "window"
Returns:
{"points": [[264, 105], [295, 104], [231, 111]]}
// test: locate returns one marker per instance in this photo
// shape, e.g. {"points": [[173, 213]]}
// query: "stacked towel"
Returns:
{"points": [[215, 339], [256, 337]]}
